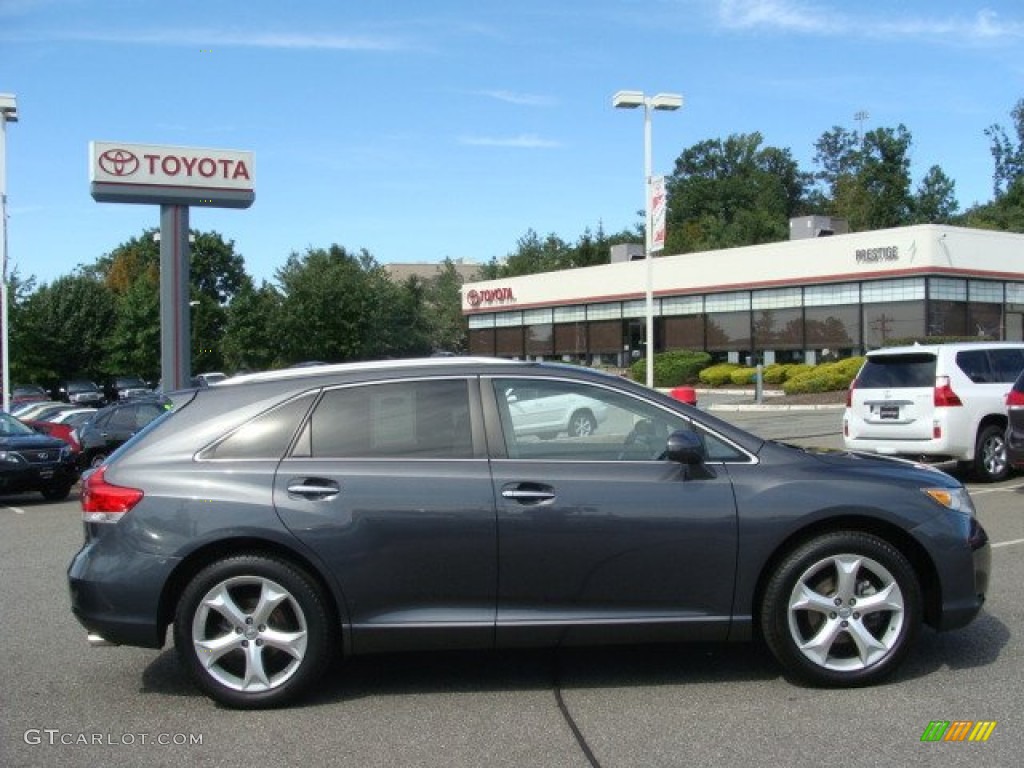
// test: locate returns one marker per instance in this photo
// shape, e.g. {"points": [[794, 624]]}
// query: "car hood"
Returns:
{"points": [[872, 462], [23, 442]]}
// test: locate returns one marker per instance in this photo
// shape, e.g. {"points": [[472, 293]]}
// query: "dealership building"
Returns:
{"points": [[809, 299]]}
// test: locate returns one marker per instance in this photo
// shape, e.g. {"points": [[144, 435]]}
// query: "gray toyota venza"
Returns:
{"points": [[278, 521]]}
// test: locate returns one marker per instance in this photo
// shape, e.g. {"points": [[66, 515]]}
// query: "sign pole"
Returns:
{"points": [[175, 349]]}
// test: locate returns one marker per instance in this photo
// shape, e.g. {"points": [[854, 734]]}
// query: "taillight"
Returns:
{"points": [[849, 393], [944, 394], [104, 502], [1015, 398]]}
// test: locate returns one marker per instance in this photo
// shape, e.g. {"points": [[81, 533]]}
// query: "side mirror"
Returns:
{"points": [[685, 447]]}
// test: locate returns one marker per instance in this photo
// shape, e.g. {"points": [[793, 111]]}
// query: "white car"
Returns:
{"points": [[550, 414], [940, 402]]}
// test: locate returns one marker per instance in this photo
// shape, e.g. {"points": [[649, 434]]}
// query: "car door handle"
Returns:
{"points": [[313, 488], [528, 493]]}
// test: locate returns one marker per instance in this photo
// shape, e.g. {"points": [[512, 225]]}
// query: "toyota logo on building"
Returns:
{"points": [[489, 296], [119, 162]]}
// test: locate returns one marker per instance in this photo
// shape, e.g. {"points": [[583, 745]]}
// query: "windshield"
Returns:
{"points": [[11, 426], [81, 386]]}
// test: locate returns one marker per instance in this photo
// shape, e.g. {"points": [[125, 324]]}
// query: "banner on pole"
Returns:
{"points": [[658, 207]]}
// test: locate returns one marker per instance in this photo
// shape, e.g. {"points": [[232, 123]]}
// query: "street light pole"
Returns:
{"points": [[663, 102], [8, 114]]}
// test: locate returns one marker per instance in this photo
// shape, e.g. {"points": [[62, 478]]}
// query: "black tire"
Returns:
{"points": [[270, 652], [990, 463], [582, 424], [56, 492], [866, 623], [96, 459]]}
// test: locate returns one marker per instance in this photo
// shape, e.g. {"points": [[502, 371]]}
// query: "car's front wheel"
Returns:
{"points": [[842, 609], [253, 631], [56, 492]]}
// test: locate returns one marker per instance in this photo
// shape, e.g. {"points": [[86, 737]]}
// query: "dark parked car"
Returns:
{"points": [[82, 392], [28, 393], [1015, 423], [114, 425], [30, 461], [278, 519], [125, 388]]}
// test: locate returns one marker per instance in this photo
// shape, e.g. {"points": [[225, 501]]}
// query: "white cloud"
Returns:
{"points": [[520, 99], [211, 38], [817, 18], [523, 141]]}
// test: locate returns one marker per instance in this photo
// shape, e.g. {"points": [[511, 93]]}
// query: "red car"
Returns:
{"points": [[65, 432]]}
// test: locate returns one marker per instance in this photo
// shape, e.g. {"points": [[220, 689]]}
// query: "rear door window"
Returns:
{"points": [[408, 419], [898, 371]]}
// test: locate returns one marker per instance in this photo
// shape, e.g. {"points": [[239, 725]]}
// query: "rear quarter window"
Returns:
{"points": [[897, 371], [1006, 364], [265, 437]]}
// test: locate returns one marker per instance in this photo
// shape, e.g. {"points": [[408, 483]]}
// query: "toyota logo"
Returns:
{"points": [[119, 162], [474, 298]]}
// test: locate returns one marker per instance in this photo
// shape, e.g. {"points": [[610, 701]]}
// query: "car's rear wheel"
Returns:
{"points": [[253, 631], [990, 461], [97, 459], [582, 424], [842, 609]]}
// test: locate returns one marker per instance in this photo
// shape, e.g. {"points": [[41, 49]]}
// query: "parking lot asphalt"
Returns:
{"points": [[66, 704]]}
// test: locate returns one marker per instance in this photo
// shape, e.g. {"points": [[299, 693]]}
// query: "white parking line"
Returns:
{"points": [[1007, 543], [15, 510], [978, 490]]}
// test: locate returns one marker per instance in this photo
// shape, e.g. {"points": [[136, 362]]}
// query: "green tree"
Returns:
{"points": [[250, 341], [1007, 153], [134, 346], [444, 305], [1006, 211], [732, 192], [132, 272], [866, 178], [330, 307], [65, 326], [935, 200]]}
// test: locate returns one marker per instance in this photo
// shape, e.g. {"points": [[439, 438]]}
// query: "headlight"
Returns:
{"points": [[956, 499], [12, 457]]}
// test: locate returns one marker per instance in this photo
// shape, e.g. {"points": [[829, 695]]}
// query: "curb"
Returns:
{"points": [[780, 407]]}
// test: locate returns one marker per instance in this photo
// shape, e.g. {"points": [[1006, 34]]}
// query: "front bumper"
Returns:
{"points": [[20, 478]]}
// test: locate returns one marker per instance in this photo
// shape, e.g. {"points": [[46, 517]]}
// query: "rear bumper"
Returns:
{"points": [[118, 597], [932, 450]]}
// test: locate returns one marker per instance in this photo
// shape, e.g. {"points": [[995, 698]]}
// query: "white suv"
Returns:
{"points": [[941, 402]]}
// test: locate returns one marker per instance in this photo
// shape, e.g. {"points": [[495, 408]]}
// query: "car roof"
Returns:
{"points": [[433, 363], [935, 349]]}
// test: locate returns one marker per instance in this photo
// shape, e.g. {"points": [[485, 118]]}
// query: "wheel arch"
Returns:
{"points": [[920, 560], [192, 564]]}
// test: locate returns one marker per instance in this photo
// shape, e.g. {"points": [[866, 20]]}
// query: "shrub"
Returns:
{"points": [[775, 374], [678, 366], [743, 376], [718, 375], [827, 377]]}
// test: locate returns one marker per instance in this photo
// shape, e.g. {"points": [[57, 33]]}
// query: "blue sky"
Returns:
{"points": [[420, 130]]}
